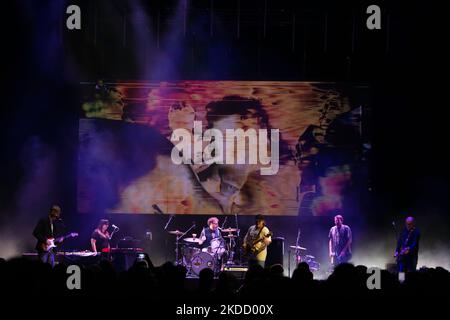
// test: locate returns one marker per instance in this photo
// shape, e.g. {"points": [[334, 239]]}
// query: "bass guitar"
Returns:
{"points": [[252, 249]]}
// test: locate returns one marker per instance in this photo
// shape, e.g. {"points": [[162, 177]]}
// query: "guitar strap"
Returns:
{"points": [[407, 238], [257, 237]]}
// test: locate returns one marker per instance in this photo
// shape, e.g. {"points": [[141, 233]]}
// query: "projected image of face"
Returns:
{"points": [[236, 173], [126, 151], [233, 174], [230, 184]]}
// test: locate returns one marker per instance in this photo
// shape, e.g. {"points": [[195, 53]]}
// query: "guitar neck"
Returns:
{"points": [[70, 235]]}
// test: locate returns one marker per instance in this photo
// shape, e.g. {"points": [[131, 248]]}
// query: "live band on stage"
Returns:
{"points": [[217, 247]]}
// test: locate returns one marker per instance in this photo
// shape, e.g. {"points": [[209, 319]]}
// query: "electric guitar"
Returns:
{"points": [[402, 253], [252, 249], [53, 242], [336, 259], [404, 250]]}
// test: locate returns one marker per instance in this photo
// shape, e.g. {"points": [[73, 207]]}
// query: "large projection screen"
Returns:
{"points": [[126, 150]]}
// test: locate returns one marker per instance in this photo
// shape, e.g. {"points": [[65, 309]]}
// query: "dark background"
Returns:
{"points": [[43, 64]]}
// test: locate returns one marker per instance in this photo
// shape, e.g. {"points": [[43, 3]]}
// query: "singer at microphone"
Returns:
{"points": [[100, 237]]}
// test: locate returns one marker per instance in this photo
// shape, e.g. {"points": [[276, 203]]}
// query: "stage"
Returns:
{"points": [[211, 150]]}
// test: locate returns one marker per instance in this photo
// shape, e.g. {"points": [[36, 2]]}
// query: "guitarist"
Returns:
{"points": [[256, 240], [340, 242], [48, 227], [407, 251]]}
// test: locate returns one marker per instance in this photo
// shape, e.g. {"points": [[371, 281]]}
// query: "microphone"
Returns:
{"points": [[115, 227], [155, 206]]}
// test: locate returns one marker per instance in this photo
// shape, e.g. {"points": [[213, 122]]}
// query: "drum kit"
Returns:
{"points": [[301, 257], [220, 252]]}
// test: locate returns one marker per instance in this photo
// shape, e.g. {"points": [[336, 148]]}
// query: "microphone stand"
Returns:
{"points": [[165, 228], [289, 263], [396, 236], [395, 230], [224, 221], [216, 256], [193, 225], [112, 233], [230, 246], [297, 250], [168, 222], [110, 237], [238, 231]]}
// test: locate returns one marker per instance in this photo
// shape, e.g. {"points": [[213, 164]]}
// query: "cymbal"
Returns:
{"points": [[297, 247], [192, 240], [176, 232], [229, 230], [309, 256], [230, 236]]}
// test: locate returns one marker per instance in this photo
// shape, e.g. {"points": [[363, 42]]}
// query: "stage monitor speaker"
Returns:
{"points": [[123, 261], [391, 267], [129, 243], [275, 252], [237, 271]]}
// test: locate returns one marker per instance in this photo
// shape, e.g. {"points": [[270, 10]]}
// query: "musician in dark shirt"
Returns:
{"points": [[100, 237], [407, 251], [46, 229]]}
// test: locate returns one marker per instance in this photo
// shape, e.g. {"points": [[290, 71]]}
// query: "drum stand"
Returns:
{"points": [[177, 251], [216, 267], [232, 245], [177, 246]]}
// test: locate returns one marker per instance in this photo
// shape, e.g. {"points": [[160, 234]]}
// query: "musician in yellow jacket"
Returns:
{"points": [[256, 240]]}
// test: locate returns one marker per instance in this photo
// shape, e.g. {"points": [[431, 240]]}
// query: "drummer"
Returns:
{"points": [[209, 233]]}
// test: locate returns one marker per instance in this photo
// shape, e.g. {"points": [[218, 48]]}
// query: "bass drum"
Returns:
{"points": [[188, 252], [201, 261]]}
